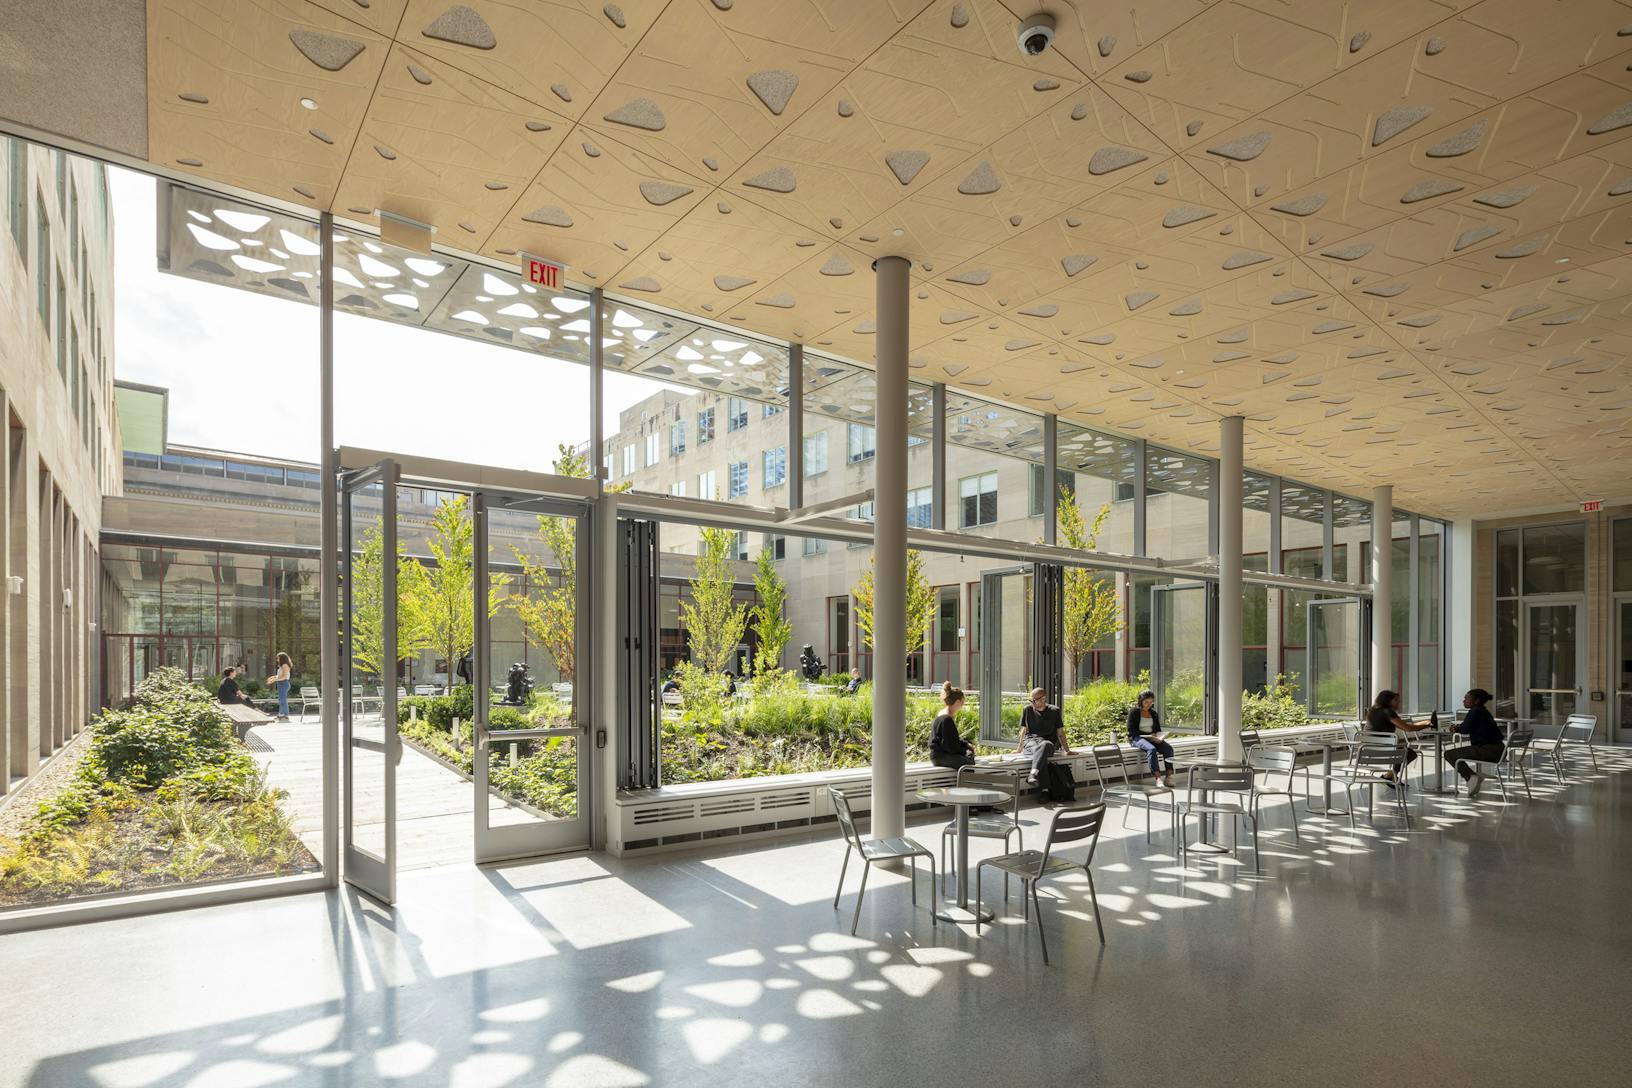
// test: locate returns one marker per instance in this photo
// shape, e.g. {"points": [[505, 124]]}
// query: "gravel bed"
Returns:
{"points": [[21, 804]]}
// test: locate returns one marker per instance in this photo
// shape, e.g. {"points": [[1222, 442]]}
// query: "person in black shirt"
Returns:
{"points": [[1384, 717], [1145, 733], [228, 692], [1484, 736], [1042, 733], [947, 748]]}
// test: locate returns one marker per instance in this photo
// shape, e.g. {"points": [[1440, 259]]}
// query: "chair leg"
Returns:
{"points": [[861, 892], [979, 869], [1093, 898], [1292, 803], [934, 907], [913, 861], [842, 870], [1257, 866], [1042, 939]]}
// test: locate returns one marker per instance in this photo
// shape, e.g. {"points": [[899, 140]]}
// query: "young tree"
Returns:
{"points": [[443, 599], [1092, 610], [772, 625], [920, 606], [713, 619], [368, 607], [550, 619]]}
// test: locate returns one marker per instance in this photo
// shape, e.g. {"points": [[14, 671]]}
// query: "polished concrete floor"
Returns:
{"points": [[1491, 945]]}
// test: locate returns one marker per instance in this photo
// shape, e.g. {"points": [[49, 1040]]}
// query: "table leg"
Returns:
{"points": [[963, 857], [1326, 786]]}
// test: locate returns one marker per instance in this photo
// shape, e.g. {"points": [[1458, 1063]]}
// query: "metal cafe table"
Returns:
{"points": [[962, 799]]}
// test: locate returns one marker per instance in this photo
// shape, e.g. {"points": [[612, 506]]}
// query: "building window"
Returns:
{"points": [[62, 327], [915, 440], [62, 183], [862, 443], [738, 481], [1063, 481], [678, 489], [707, 487], [17, 193], [920, 507], [816, 454], [705, 426], [652, 447], [736, 414], [776, 545], [769, 410], [813, 545], [628, 460], [863, 512], [739, 544], [677, 438], [776, 466], [978, 497]]}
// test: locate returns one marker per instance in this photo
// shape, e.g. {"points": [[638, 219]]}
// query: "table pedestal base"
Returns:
{"points": [[964, 916]]}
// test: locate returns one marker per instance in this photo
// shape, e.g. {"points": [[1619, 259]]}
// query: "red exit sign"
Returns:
{"points": [[1592, 506], [543, 272]]}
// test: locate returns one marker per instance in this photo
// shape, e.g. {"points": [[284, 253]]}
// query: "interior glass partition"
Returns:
{"points": [[1183, 658], [1337, 646]]}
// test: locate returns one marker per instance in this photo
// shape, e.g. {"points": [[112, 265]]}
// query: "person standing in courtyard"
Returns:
{"points": [[947, 748], [279, 681], [1485, 743]]}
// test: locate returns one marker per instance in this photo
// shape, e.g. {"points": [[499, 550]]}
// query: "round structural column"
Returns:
{"points": [[890, 551], [1228, 640], [1382, 586]]}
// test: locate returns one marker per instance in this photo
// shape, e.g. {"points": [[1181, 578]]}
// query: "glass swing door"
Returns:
{"points": [[1183, 663], [1337, 646], [531, 764], [368, 702], [1005, 612]]}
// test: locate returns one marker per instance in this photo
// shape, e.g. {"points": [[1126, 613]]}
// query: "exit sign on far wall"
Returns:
{"points": [[1592, 506], [543, 272]]}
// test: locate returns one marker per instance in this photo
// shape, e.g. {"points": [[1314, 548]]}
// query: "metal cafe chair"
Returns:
{"points": [[1210, 779], [1112, 755], [1379, 755], [1270, 762], [1513, 756], [872, 850], [1575, 734], [1071, 825], [999, 825]]}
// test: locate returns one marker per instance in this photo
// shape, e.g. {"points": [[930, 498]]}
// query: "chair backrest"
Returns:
{"points": [[1273, 760], [1106, 755], [1378, 751], [1520, 739], [1221, 777], [309, 693], [1250, 739], [1006, 782], [847, 822], [1579, 727], [1351, 732], [1072, 824]]}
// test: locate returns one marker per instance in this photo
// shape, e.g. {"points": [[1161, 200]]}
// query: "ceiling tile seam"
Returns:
{"points": [[1426, 136], [368, 110], [1492, 426]]}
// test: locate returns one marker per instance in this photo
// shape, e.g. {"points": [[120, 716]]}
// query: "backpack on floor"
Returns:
{"points": [[1058, 784]]}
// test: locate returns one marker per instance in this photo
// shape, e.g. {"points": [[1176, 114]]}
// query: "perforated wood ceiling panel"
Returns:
{"points": [[1392, 233]]}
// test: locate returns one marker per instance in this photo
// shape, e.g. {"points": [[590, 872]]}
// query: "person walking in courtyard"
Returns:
{"points": [[947, 748], [279, 681]]}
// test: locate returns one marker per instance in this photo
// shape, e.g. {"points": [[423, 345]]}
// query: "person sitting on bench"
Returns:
{"points": [[947, 748], [1145, 733], [229, 691], [1042, 733]]}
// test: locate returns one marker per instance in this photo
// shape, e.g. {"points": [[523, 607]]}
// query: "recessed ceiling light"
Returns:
{"points": [[1562, 260], [309, 103]]}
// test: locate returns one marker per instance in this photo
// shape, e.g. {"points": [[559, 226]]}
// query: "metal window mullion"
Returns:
{"points": [[1276, 566], [1051, 475], [1413, 653], [1327, 535], [1139, 497], [937, 456], [796, 426]]}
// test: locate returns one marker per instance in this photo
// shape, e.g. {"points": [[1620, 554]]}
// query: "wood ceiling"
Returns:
{"points": [[1392, 233]]}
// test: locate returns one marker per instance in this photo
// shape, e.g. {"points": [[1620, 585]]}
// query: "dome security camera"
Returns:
{"points": [[1036, 34]]}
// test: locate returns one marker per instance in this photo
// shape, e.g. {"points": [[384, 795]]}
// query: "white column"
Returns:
{"points": [[1228, 639], [890, 552], [328, 594], [1456, 639], [1382, 571]]}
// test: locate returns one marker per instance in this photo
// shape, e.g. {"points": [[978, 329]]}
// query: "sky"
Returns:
{"points": [[242, 369]]}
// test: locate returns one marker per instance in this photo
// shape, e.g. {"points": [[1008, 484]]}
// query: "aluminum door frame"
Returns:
{"points": [[1583, 640], [1621, 646], [1362, 665], [991, 660], [375, 877], [532, 838], [1159, 606]]}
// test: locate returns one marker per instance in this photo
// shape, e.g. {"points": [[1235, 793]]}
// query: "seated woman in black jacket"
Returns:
{"points": [[1145, 733], [1484, 736], [947, 748]]}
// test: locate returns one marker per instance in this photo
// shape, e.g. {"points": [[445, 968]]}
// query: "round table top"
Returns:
{"points": [[961, 795]]}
